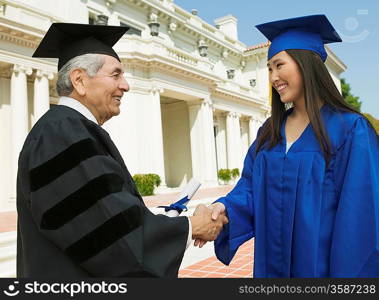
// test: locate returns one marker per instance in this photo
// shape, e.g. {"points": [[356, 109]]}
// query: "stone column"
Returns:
{"points": [[245, 143], [203, 149], [210, 143], [221, 142], [253, 129], [19, 118], [157, 135], [238, 142], [41, 93], [233, 140], [230, 139]]}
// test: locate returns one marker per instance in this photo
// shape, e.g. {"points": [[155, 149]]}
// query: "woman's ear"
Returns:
{"points": [[77, 77]]}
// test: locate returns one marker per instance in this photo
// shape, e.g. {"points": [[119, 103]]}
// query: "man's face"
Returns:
{"points": [[103, 92]]}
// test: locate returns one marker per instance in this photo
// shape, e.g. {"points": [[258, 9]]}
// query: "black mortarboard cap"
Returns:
{"points": [[67, 40]]}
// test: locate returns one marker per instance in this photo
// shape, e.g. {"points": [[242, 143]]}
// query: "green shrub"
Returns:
{"points": [[224, 175], [145, 183], [155, 178], [235, 173]]}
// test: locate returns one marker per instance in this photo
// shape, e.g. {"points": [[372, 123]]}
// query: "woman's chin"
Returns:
{"points": [[284, 100]]}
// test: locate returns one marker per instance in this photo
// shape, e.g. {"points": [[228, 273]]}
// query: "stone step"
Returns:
{"points": [[7, 253], [8, 248], [8, 269], [8, 238]]}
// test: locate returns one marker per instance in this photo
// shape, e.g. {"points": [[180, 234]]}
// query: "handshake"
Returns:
{"points": [[207, 222]]}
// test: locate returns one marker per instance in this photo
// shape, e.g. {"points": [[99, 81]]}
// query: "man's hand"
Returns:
{"points": [[207, 222]]}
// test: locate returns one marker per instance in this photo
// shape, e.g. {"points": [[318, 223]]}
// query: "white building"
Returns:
{"points": [[197, 97]]}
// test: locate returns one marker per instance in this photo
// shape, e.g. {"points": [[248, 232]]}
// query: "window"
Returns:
{"points": [[91, 19], [131, 30]]}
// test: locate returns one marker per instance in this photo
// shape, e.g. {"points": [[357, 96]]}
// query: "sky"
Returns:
{"points": [[357, 22]]}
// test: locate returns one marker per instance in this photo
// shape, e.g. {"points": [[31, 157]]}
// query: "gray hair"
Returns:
{"points": [[91, 63]]}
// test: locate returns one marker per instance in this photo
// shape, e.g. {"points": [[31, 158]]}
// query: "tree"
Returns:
{"points": [[373, 121], [350, 98]]}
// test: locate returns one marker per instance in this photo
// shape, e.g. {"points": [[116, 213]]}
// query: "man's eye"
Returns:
{"points": [[278, 65]]}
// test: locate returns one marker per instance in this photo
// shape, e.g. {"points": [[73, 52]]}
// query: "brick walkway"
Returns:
{"points": [[240, 267], [8, 221], [242, 264]]}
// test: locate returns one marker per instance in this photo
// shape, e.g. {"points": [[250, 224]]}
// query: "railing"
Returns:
{"points": [[138, 46], [209, 28], [181, 57]]}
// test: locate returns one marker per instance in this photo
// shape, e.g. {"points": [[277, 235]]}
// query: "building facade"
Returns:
{"points": [[198, 95]]}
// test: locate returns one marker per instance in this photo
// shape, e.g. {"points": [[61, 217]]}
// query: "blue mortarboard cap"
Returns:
{"points": [[308, 33]]}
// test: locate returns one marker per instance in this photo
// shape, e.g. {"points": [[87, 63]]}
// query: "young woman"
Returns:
{"points": [[309, 191]]}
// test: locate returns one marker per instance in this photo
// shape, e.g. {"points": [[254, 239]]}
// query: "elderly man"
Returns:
{"points": [[79, 212]]}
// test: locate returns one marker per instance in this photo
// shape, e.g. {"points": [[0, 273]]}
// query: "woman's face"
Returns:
{"points": [[285, 77]]}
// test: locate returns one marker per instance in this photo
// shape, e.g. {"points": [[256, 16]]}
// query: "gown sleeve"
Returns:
{"points": [[239, 209], [84, 202], [355, 241]]}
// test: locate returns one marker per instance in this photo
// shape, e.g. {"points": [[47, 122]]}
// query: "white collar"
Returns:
{"points": [[79, 107]]}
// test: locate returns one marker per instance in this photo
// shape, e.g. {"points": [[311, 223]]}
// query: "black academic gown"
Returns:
{"points": [[79, 213]]}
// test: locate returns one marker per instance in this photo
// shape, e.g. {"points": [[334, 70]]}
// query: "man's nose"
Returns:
{"points": [[124, 85]]}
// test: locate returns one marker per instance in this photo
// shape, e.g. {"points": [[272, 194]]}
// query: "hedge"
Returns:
{"points": [[146, 182]]}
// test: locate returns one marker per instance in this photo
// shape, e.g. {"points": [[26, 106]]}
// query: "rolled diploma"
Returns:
{"points": [[189, 190]]}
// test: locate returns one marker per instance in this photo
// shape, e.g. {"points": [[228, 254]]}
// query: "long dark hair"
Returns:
{"points": [[318, 85]]}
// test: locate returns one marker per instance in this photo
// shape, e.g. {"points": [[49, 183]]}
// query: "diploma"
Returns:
{"points": [[187, 193]]}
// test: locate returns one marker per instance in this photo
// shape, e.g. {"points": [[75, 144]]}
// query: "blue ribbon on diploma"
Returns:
{"points": [[178, 205]]}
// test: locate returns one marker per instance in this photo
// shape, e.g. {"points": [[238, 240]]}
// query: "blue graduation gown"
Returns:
{"points": [[309, 219]]}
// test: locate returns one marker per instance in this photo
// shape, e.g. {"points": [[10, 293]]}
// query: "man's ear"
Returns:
{"points": [[78, 80]]}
